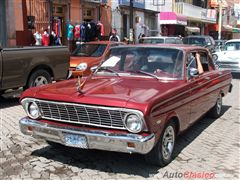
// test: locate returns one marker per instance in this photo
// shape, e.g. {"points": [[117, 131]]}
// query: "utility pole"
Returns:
{"points": [[219, 19], [131, 39]]}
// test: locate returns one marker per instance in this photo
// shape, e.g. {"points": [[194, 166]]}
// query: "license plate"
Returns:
{"points": [[76, 140]]}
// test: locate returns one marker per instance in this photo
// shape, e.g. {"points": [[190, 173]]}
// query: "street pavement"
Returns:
{"points": [[209, 149]]}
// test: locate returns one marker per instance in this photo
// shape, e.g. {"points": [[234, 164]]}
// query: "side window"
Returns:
{"points": [[204, 61], [194, 61], [179, 41], [191, 61], [170, 41]]}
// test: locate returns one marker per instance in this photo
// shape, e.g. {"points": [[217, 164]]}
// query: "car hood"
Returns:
{"points": [[228, 56], [74, 61], [106, 91]]}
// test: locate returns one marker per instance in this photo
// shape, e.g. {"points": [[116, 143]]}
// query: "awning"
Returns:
{"points": [[192, 29], [172, 18], [236, 30], [225, 28]]}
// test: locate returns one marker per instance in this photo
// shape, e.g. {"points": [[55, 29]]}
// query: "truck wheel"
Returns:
{"points": [[1, 92], [216, 110], [161, 154], [39, 77]]}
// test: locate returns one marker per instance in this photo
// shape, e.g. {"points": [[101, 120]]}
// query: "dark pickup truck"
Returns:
{"points": [[32, 66]]}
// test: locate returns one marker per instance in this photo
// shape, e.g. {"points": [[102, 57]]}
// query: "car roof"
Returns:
{"points": [[160, 37], [186, 47], [233, 40], [197, 36], [103, 42]]}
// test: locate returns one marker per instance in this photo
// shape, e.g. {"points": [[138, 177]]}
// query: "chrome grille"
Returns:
{"points": [[83, 114]]}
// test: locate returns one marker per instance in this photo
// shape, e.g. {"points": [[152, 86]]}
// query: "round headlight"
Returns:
{"points": [[81, 67], [133, 123], [33, 110]]}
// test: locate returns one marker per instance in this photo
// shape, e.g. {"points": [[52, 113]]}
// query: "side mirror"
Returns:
{"points": [[193, 72]]}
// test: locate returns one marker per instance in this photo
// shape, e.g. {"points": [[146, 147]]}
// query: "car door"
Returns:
{"points": [[199, 85]]}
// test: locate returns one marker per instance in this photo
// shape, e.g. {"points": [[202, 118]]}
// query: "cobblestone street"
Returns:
{"points": [[209, 146]]}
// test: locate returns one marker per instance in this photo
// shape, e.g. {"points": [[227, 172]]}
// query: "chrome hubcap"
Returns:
{"points": [[168, 142], [40, 80], [219, 105]]}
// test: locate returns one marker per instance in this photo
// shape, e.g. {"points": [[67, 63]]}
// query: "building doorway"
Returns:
{"points": [[59, 21]]}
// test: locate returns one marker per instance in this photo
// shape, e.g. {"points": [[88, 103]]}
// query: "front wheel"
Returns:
{"points": [[216, 110], [39, 77], [161, 154]]}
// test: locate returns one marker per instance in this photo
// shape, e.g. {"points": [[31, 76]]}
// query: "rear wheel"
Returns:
{"points": [[216, 110], [161, 154], [39, 77]]}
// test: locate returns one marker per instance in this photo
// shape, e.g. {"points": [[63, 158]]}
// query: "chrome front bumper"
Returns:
{"points": [[96, 139]]}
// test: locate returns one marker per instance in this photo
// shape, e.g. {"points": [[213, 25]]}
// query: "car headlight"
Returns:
{"points": [[31, 108], [81, 67], [134, 123]]}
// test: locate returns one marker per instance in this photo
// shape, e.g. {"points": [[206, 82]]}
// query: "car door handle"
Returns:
{"points": [[220, 73]]}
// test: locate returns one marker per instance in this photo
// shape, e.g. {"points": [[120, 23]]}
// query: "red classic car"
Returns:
{"points": [[137, 101], [89, 54]]}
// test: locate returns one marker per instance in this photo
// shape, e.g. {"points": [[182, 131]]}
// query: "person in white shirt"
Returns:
{"points": [[114, 36]]}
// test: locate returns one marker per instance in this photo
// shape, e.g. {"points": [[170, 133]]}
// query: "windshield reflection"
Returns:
{"points": [[160, 62]]}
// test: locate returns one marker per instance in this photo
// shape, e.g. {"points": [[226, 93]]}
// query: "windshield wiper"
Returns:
{"points": [[107, 69], [144, 72]]}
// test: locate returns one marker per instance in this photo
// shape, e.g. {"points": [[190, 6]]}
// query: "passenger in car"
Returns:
{"points": [[199, 64]]}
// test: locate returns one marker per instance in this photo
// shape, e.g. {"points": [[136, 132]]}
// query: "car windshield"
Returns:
{"points": [[232, 46], [153, 62], [153, 41], [89, 50], [195, 41]]}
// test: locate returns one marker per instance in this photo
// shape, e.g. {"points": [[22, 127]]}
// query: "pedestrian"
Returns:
{"points": [[114, 36]]}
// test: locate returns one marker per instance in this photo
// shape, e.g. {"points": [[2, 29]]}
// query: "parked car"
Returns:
{"points": [[229, 58], [200, 40], [219, 45], [160, 40], [137, 101], [32, 66], [89, 54]]}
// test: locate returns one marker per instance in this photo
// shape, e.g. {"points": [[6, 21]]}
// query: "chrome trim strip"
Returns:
{"points": [[96, 139], [188, 91]]}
